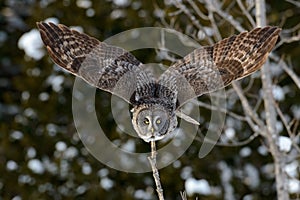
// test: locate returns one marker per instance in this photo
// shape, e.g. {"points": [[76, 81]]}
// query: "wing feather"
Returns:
{"points": [[99, 64], [212, 67]]}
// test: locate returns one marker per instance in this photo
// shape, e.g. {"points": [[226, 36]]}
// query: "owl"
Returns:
{"points": [[156, 101]]}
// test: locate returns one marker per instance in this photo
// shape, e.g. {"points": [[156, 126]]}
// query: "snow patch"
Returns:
{"points": [[284, 143], [278, 93], [193, 186], [32, 44], [36, 166]]}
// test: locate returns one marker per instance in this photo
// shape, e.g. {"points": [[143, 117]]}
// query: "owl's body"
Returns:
{"points": [[155, 101]]}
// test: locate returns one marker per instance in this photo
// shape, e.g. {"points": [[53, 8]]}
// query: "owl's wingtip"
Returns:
{"points": [[38, 24], [277, 29], [41, 24]]}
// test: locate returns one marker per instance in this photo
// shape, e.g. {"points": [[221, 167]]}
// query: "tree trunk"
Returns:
{"points": [[271, 136]]}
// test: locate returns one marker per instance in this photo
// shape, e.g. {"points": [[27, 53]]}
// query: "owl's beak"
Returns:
{"points": [[152, 130]]}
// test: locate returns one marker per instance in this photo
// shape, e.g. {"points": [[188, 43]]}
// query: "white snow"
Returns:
{"points": [[176, 164], [70, 152], [86, 168], [193, 186], [186, 172], [81, 189], [106, 183], [16, 135], [25, 95], [226, 177], [83, 3], [90, 12], [141, 194], [52, 129], [55, 82], [121, 2], [230, 133], [60, 146], [36, 166], [52, 19], [103, 172], [292, 169], [50, 166], [245, 152], [252, 176], [32, 44], [117, 13], [296, 111], [44, 96], [262, 150], [129, 146], [31, 152], [11, 165], [16, 198], [294, 186], [284, 143], [29, 112], [278, 93], [279, 126]]}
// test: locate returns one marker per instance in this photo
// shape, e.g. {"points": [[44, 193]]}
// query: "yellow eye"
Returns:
{"points": [[146, 121], [158, 121]]}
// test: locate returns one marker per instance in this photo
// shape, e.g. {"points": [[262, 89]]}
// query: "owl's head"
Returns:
{"points": [[153, 123]]}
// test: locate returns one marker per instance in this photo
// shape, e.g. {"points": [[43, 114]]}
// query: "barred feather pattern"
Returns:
{"points": [[99, 64], [212, 67], [117, 71]]}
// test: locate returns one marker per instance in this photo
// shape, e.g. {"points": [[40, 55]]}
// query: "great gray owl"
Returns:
{"points": [[155, 101]]}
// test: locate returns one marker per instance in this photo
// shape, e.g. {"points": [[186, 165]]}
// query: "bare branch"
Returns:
{"points": [[271, 135], [287, 69], [233, 144], [197, 10], [291, 30], [296, 3], [287, 127], [214, 25], [215, 6], [246, 13], [191, 17], [152, 160], [288, 40], [291, 73], [214, 108], [183, 195], [248, 110]]}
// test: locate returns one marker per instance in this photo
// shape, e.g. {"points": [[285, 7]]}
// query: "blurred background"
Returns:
{"points": [[41, 155]]}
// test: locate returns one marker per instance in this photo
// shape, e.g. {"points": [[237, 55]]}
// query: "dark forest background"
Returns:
{"points": [[41, 155]]}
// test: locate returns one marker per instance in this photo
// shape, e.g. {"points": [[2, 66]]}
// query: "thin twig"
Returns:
{"points": [[296, 3], [291, 30], [233, 144], [215, 108], [287, 69], [197, 10], [215, 6], [287, 127], [287, 40], [214, 25], [246, 13], [152, 160], [248, 110], [192, 17], [291, 73], [183, 195]]}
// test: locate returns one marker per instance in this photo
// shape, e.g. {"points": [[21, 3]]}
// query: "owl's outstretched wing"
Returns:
{"points": [[212, 67], [109, 68]]}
